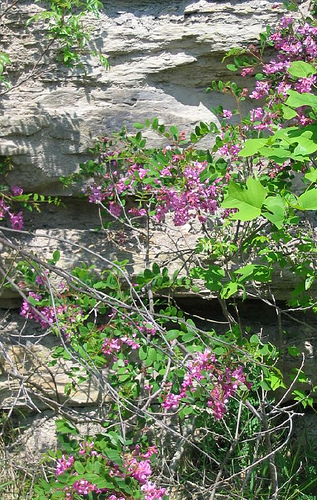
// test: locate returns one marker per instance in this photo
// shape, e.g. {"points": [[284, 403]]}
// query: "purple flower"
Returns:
{"points": [[115, 209], [275, 67], [247, 71], [152, 492], [137, 212], [256, 114], [262, 88], [3, 208], [16, 190], [95, 193], [286, 21], [140, 470], [282, 89], [16, 220], [83, 487], [63, 464], [305, 84], [226, 114]]}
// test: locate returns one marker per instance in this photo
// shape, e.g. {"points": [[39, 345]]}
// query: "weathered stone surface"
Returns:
{"points": [[27, 381], [162, 55]]}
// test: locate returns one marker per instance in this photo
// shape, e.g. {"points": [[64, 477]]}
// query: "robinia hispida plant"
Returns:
{"points": [[189, 409]]}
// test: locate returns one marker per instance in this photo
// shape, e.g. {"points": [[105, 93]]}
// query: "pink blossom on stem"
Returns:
{"points": [[63, 464], [286, 21], [16, 190], [247, 71], [137, 212], [83, 487], [152, 492], [262, 89], [256, 114], [227, 114], [16, 221], [115, 209], [305, 84], [3, 208]]}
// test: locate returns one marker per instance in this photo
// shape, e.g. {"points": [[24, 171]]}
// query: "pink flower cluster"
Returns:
{"points": [[136, 465], [223, 384], [63, 464], [41, 314], [112, 346], [179, 190], [196, 199], [151, 492], [141, 470], [294, 42], [45, 315], [16, 219]]}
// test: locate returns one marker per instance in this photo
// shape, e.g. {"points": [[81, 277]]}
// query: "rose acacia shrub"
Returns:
{"points": [[148, 374], [239, 198], [106, 467]]}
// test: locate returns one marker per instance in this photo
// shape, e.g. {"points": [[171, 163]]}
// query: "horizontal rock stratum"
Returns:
{"points": [[162, 57]]}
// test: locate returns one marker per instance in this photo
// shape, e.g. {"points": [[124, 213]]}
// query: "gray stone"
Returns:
{"points": [[162, 55]]}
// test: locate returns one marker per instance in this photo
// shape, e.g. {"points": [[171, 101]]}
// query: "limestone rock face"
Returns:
{"points": [[162, 57]]}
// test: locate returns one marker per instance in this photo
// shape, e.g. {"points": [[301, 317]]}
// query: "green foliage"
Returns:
{"points": [[206, 395], [247, 199], [65, 24]]}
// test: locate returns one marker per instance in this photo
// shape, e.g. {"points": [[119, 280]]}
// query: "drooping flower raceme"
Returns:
{"points": [[222, 383]]}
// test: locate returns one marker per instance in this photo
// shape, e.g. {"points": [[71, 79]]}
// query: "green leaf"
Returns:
{"points": [[155, 123], [101, 285], [187, 337], [231, 67], [252, 146], [275, 381], [213, 276], [293, 351], [246, 271], [276, 153], [64, 427], [254, 272], [138, 125], [156, 269], [276, 210], [142, 353], [103, 483], [228, 290], [247, 199], [174, 131], [254, 340], [301, 69], [78, 466], [151, 355], [114, 456], [305, 146], [308, 200], [309, 281], [172, 334], [311, 175], [295, 99], [56, 255], [288, 113]]}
